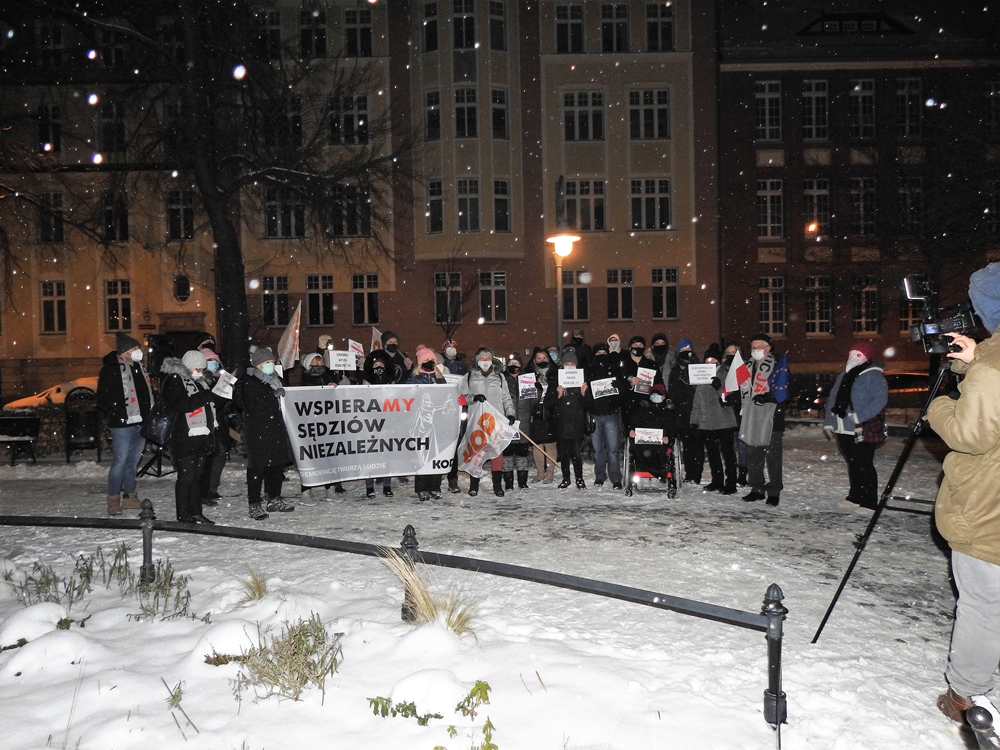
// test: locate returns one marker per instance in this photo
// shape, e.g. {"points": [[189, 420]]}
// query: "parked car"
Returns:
{"points": [[56, 394], [807, 394]]}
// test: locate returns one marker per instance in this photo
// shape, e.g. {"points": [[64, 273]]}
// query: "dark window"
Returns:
{"points": [[351, 212], [284, 214], [348, 119], [569, 28], [649, 114], [112, 128], [365, 298], [861, 108], [312, 33], [620, 294], [115, 218], [651, 204], [53, 307], [180, 214], [432, 115], [430, 27], [50, 217], [268, 34], [465, 113], [498, 99], [659, 27], [498, 26], [585, 205], [319, 299], [464, 24], [468, 205], [583, 116], [664, 282], [576, 295], [118, 304], [493, 296], [358, 33], [767, 110], [435, 207], [501, 205], [274, 291], [614, 28], [447, 297], [49, 118]]}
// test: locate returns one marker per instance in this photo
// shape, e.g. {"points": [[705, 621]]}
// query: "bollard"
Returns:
{"points": [[981, 721], [407, 549], [774, 699], [147, 573]]}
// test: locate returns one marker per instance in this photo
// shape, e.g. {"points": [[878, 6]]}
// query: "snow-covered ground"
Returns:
{"points": [[567, 670]]}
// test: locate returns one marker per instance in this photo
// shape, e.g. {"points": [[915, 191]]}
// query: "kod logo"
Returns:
{"points": [[442, 463]]}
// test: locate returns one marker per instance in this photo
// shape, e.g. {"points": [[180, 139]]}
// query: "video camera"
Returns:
{"points": [[930, 332]]}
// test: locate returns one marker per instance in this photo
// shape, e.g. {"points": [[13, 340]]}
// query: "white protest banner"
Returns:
{"points": [[646, 376], [526, 385], [648, 436], [224, 385], [570, 377], [452, 379], [341, 359], [370, 431], [487, 434], [603, 388], [701, 374]]}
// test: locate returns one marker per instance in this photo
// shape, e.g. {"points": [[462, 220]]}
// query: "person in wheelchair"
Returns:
{"points": [[656, 412]]}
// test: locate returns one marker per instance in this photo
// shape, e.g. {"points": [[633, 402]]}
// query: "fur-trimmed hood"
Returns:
{"points": [[174, 366]]}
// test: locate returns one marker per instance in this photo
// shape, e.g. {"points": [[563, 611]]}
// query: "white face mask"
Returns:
{"points": [[615, 345], [450, 352], [137, 355], [197, 374], [758, 354], [485, 364], [854, 359]]}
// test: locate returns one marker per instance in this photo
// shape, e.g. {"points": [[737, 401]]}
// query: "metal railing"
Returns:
{"points": [[768, 621]]}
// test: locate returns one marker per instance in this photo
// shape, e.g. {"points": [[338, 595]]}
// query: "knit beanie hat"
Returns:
{"points": [[194, 360], [984, 291], [684, 344], [659, 337], [308, 358], [449, 342], [713, 352], [569, 356], [209, 354], [762, 337], [637, 340], [388, 335], [261, 355], [865, 349], [423, 354], [515, 357], [124, 342], [601, 347]]}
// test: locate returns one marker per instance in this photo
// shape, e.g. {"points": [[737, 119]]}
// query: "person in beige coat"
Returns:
{"points": [[967, 509]]}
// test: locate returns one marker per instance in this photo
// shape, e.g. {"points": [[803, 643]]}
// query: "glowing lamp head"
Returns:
{"points": [[812, 227], [563, 243]]}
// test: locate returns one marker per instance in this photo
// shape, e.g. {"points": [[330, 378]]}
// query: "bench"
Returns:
{"points": [[19, 435]]}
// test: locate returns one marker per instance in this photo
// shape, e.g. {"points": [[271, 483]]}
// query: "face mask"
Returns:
{"points": [[729, 359], [485, 364], [541, 364], [554, 356], [757, 354], [213, 365], [316, 370], [615, 346], [451, 352], [660, 349], [577, 341], [427, 367], [197, 374], [514, 367], [136, 355], [392, 348], [378, 372], [601, 359], [685, 355], [636, 351], [854, 359], [656, 399], [267, 368]]}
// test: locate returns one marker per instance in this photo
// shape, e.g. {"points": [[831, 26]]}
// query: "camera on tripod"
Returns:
{"points": [[930, 332]]}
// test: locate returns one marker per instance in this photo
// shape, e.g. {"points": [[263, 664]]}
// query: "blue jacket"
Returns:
{"points": [[869, 396]]}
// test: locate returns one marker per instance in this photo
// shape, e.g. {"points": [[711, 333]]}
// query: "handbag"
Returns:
{"points": [[873, 430], [159, 425], [589, 424]]}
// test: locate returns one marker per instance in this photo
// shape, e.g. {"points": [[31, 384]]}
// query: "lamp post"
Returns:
{"points": [[562, 241]]}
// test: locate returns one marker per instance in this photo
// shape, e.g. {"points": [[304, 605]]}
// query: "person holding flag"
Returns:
{"points": [[736, 374], [763, 420]]}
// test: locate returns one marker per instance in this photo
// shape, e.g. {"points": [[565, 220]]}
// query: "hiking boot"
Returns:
{"points": [[453, 487], [276, 504], [522, 479], [473, 486], [370, 493], [257, 512], [130, 500], [435, 495], [564, 484], [497, 477], [114, 505], [423, 496], [954, 706], [712, 487], [580, 484], [508, 480], [729, 489]]}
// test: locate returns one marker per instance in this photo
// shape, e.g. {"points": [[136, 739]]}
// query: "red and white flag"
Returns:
{"points": [[738, 374], [288, 344]]}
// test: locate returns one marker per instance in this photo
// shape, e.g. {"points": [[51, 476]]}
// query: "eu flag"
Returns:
{"points": [[778, 381]]}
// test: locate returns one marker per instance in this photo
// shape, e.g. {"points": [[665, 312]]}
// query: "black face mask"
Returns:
{"points": [[316, 370], [660, 349], [514, 369], [636, 352], [602, 359], [541, 364], [392, 348], [685, 355], [729, 359], [576, 342], [427, 367]]}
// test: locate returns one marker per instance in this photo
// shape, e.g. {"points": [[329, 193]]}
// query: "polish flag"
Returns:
{"points": [[738, 374]]}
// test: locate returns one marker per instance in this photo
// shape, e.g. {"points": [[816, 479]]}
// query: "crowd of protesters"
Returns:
{"points": [[641, 386]]}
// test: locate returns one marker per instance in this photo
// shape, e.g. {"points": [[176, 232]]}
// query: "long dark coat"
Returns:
{"points": [[266, 440]]}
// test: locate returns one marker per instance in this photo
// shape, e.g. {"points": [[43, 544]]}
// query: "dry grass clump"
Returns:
{"points": [[254, 586], [456, 610]]}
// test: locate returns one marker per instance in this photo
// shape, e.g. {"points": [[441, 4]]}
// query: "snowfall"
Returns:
{"points": [[565, 669]]}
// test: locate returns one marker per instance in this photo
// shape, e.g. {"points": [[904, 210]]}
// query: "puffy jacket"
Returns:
{"points": [[491, 384], [175, 395], [869, 395], [708, 410], [967, 510]]}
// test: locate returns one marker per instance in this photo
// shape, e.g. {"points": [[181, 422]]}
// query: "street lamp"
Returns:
{"points": [[562, 241]]}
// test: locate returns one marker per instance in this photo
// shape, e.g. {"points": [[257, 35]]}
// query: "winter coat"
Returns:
{"points": [[569, 412], [631, 369], [266, 439], [754, 416], [653, 416], [425, 378], [175, 395], [681, 392], [542, 428], [490, 384], [111, 392], [967, 510], [455, 367], [709, 411], [398, 363], [605, 367], [390, 376], [869, 395], [522, 406]]}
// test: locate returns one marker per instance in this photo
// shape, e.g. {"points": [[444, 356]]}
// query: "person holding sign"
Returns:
{"points": [[516, 456], [485, 382], [681, 394], [606, 390], [716, 421], [427, 486], [316, 373], [640, 372], [543, 372], [654, 413], [568, 407]]}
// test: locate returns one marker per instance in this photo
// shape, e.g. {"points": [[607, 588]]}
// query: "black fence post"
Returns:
{"points": [[147, 573], [775, 712], [981, 721], [407, 549]]}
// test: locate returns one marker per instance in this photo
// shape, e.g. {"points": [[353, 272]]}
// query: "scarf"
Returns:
{"points": [[197, 420], [272, 380], [133, 415], [842, 403]]}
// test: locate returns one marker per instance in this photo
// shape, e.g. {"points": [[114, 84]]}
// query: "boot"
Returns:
{"points": [[131, 501], [473, 486], [508, 480], [522, 479], [114, 505], [497, 483], [954, 706], [741, 476]]}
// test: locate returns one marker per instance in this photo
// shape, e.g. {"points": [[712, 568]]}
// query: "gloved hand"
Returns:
{"points": [[717, 384], [764, 398], [840, 412], [511, 420], [828, 429], [279, 392], [479, 398]]}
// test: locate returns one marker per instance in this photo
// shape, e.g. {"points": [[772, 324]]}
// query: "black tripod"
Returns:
{"points": [[862, 539], [154, 466]]}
